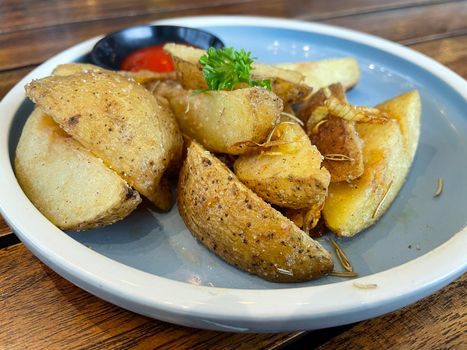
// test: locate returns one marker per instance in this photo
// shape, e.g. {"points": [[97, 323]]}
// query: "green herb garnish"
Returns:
{"points": [[226, 68]]}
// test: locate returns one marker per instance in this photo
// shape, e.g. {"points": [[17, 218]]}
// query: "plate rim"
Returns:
{"points": [[204, 306]]}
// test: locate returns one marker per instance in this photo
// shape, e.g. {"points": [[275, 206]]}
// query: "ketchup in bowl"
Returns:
{"points": [[152, 58]]}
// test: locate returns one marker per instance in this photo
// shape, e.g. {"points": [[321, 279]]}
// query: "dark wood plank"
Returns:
{"points": [[41, 310], [56, 38], [416, 23], [437, 322], [16, 15], [9, 79], [4, 228], [451, 52]]}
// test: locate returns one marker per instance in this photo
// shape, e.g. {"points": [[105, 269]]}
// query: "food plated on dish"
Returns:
{"points": [[265, 156], [151, 264]]}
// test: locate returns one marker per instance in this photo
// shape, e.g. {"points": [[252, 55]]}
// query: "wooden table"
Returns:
{"points": [[39, 309]]}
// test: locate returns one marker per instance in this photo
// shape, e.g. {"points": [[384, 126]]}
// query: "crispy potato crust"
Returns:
{"points": [[68, 184], [288, 174], [334, 137], [240, 227], [387, 153], [143, 77], [119, 121], [286, 84], [222, 120]]}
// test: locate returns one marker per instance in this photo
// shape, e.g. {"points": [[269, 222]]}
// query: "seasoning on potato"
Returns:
{"points": [[69, 185], [388, 155], [287, 131], [241, 228], [119, 121], [287, 171]]}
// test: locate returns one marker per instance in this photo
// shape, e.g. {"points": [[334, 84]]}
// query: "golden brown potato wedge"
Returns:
{"points": [[352, 207], [186, 61], [306, 220], [119, 121], [318, 99], [319, 74], [289, 173], [335, 137], [286, 84], [143, 77], [224, 120], [237, 225], [341, 147], [68, 184], [406, 109]]}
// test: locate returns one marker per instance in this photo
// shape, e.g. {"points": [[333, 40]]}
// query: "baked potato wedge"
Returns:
{"points": [[143, 77], [319, 74], [286, 84], [406, 109], [289, 173], [186, 62], [335, 137], [120, 122], [238, 226], [387, 153], [69, 185], [224, 120]]}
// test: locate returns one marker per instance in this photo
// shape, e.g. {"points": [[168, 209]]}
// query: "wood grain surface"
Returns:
{"points": [[41, 310]]}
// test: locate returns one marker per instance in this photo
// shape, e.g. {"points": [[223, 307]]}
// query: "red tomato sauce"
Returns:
{"points": [[151, 58]]}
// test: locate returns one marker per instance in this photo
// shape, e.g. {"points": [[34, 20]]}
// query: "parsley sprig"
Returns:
{"points": [[225, 68]]}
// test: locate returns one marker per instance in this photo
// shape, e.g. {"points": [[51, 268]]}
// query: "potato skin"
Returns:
{"points": [[119, 121], [339, 136], [292, 176], [186, 62], [352, 207], [223, 120], [240, 227], [286, 84], [334, 136], [143, 77], [68, 184]]}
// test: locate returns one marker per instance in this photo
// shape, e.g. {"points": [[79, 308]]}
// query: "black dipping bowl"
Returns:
{"points": [[110, 51]]}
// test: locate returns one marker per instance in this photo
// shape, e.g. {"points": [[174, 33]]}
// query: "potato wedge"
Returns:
{"points": [[120, 122], [319, 74], [288, 174], [143, 77], [335, 137], [237, 225], [341, 147], [352, 207], [223, 120], [186, 62], [286, 84], [406, 109], [68, 184]]}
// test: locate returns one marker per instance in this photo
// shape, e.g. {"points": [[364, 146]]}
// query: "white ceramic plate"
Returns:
{"points": [[150, 264]]}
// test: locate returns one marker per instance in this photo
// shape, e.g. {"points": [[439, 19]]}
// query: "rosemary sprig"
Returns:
{"points": [[343, 259], [382, 200], [439, 187], [338, 157], [343, 274]]}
